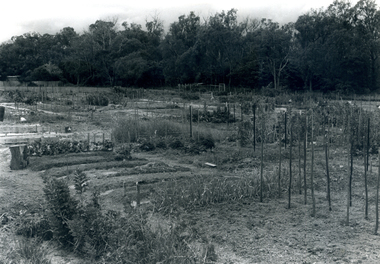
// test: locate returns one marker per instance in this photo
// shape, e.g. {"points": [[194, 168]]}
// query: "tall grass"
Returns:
{"points": [[28, 251], [203, 190], [127, 130]]}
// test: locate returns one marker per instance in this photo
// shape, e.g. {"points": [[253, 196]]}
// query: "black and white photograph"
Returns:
{"points": [[189, 132]]}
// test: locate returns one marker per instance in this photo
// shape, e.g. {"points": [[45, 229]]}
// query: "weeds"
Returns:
{"points": [[28, 251]]}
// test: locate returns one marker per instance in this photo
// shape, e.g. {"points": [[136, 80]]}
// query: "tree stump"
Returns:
{"points": [[20, 158]]}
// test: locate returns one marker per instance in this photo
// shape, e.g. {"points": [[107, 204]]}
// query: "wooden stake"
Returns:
{"points": [[327, 170], [377, 196], [285, 130], [290, 165], [304, 162], [254, 126], [279, 168], [137, 194], [191, 121], [365, 173], [262, 162], [299, 165], [312, 164]]}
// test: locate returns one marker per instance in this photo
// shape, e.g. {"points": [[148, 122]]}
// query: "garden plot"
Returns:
{"points": [[214, 212]]}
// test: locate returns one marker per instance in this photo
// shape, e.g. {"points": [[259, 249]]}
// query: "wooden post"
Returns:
{"points": [[377, 196], [312, 165], [191, 122], [124, 189], [254, 126], [285, 130], [299, 165], [234, 112], [365, 173], [327, 171], [290, 166], [138, 194], [304, 162], [262, 162], [279, 168], [197, 126]]}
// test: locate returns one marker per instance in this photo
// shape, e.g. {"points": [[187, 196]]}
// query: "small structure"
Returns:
{"points": [[20, 158], [2, 111], [13, 81]]}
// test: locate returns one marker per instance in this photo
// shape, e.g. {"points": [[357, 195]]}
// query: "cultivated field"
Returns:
{"points": [[178, 176]]}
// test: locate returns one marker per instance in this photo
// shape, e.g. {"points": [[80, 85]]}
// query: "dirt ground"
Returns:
{"points": [[243, 232]]}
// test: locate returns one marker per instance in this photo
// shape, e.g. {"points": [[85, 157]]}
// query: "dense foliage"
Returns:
{"points": [[54, 147], [335, 48]]}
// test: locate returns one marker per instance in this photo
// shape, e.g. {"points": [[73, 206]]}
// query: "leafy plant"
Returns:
{"points": [[61, 209], [33, 225], [80, 181], [29, 251]]}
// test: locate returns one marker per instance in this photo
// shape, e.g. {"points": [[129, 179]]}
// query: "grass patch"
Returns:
{"points": [[61, 171], [29, 251], [47, 162], [130, 130]]}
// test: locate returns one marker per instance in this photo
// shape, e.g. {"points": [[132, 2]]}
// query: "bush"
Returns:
{"points": [[34, 225], [147, 146], [61, 209], [218, 116], [207, 141], [189, 96], [29, 251], [101, 99], [177, 144]]}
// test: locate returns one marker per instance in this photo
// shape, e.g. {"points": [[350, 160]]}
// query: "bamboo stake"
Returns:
{"points": [[299, 165], [304, 163], [312, 165], [290, 165], [262, 162], [191, 122], [285, 130], [279, 168], [327, 170], [254, 126], [349, 183], [377, 195], [365, 173]]}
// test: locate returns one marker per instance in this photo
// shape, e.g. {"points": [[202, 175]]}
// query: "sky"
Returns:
{"points": [[47, 16]]}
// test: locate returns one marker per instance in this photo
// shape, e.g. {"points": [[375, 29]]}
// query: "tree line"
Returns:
{"points": [[328, 49]]}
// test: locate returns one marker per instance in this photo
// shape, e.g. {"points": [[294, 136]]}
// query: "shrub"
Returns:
{"points": [[34, 225], [101, 99], [161, 144], [190, 96], [218, 116], [61, 209], [177, 144], [29, 251], [147, 146], [207, 141]]}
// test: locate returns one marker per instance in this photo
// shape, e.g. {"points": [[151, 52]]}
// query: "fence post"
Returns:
{"points": [[138, 194], [191, 122]]}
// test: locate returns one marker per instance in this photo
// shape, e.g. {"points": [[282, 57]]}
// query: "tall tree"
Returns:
{"points": [[274, 46]]}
